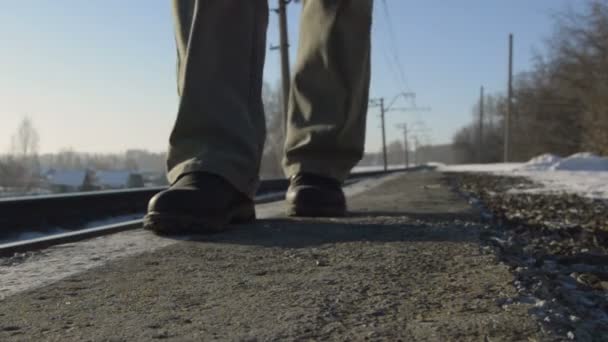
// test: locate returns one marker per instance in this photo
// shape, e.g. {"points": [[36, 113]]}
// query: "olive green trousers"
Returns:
{"points": [[220, 126]]}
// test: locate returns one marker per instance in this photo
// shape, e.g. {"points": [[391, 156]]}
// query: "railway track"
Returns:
{"points": [[71, 212]]}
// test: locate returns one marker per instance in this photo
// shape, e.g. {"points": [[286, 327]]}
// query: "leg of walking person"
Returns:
{"points": [[217, 141], [328, 104]]}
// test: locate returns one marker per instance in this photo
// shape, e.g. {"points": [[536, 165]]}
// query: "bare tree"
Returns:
{"points": [[24, 149], [580, 66], [25, 141], [466, 139], [11, 174], [67, 159], [560, 106]]}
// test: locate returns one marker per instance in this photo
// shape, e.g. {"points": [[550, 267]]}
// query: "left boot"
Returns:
{"points": [[198, 202], [312, 195]]}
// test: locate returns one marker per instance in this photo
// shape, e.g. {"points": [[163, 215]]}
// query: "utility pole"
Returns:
{"points": [[380, 103], [417, 147], [283, 47], [407, 131], [383, 134], [481, 110], [507, 137], [405, 144]]}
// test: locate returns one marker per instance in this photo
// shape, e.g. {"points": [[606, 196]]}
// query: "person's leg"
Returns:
{"points": [[329, 93], [328, 101], [217, 141], [220, 125]]}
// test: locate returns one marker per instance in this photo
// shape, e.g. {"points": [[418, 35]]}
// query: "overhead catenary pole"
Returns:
{"points": [[379, 102], [405, 144], [507, 134], [480, 138], [385, 163], [407, 134], [417, 148]]}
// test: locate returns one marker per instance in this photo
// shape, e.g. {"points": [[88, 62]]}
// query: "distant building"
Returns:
{"points": [[67, 180], [118, 179], [91, 180], [154, 178]]}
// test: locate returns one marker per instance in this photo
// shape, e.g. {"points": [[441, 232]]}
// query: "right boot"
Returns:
{"points": [[198, 202], [311, 195]]}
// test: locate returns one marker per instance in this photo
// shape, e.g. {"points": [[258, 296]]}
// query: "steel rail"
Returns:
{"points": [[9, 249]]}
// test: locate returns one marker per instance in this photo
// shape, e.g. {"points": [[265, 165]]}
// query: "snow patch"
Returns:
{"points": [[585, 174], [373, 168], [500, 167], [581, 162], [541, 163]]}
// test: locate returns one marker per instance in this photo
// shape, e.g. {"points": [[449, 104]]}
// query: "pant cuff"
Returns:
{"points": [[339, 173], [240, 181]]}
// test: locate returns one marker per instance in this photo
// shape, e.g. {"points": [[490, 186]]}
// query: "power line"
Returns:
{"points": [[393, 45], [391, 34], [394, 63], [388, 61], [391, 65]]}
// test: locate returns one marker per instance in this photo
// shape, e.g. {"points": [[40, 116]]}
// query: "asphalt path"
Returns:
{"points": [[406, 264]]}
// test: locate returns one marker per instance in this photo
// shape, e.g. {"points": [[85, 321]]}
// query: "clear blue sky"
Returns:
{"points": [[99, 76]]}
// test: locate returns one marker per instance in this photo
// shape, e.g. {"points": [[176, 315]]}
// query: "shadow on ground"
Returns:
{"points": [[357, 226]]}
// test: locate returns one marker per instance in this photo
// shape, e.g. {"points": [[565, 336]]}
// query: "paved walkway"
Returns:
{"points": [[406, 264]]}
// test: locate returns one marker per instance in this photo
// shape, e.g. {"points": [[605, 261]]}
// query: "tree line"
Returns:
{"points": [[22, 168], [561, 105]]}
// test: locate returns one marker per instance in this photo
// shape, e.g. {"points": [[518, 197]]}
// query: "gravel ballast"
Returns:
{"points": [[556, 245]]}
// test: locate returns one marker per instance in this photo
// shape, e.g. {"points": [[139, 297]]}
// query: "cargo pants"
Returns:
{"points": [[220, 125]]}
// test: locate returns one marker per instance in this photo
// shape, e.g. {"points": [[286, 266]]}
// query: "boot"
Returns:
{"points": [[198, 202], [315, 196]]}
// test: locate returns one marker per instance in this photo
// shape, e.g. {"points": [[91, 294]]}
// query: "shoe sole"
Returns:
{"points": [[167, 224], [295, 210]]}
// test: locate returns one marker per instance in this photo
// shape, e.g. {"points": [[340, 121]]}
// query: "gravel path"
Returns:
{"points": [[407, 264], [557, 246]]}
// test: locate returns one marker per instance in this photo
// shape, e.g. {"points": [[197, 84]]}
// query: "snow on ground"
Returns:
{"points": [[584, 174], [543, 162], [372, 168], [478, 167], [587, 184], [581, 162]]}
